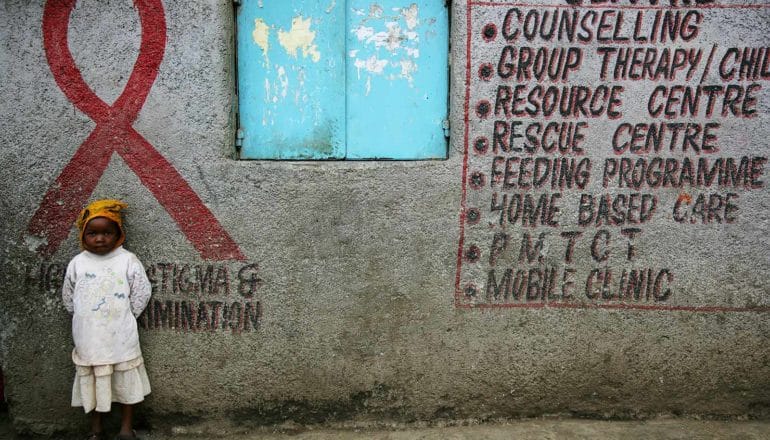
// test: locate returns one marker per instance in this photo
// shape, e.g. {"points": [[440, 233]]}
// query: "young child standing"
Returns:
{"points": [[105, 289]]}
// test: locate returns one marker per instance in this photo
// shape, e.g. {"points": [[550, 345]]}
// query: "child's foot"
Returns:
{"points": [[130, 436], [97, 436]]}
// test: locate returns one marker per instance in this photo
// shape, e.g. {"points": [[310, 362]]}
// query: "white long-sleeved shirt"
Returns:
{"points": [[105, 294]]}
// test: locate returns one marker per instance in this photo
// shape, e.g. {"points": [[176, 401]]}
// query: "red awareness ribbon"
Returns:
{"points": [[114, 134]]}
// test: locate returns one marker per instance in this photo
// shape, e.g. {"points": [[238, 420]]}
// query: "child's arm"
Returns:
{"points": [[140, 287], [68, 289]]}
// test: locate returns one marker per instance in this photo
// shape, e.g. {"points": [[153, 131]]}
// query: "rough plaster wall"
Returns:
{"points": [[357, 263]]}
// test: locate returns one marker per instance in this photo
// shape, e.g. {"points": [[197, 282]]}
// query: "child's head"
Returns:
{"points": [[101, 226]]}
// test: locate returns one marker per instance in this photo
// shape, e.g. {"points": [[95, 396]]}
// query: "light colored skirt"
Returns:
{"points": [[96, 387]]}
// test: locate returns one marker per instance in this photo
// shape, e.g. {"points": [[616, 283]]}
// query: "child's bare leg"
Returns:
{"points": [[126, 420], [96, 422]]}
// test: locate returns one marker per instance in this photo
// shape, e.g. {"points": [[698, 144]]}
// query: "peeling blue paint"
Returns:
{"points": [[350, 79]]}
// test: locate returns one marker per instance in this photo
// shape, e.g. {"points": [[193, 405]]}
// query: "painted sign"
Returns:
{"points": [[70, 191], [207, 297], [607, 145]]}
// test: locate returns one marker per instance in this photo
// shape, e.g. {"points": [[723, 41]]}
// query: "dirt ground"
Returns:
{"points": [[536, 429]]}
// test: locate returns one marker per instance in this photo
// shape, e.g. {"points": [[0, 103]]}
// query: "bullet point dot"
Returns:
{"points": [[483, 108], [480, 145], [489, 32], [472, 216], [486, 71], [478, 180], [472, 254]]}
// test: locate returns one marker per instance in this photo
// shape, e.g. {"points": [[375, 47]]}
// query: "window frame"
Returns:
{"points": [[443, 129]]}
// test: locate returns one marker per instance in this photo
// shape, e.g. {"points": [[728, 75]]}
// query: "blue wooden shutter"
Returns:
{"points": [[342, 79], [396, 79], [291, 79]]}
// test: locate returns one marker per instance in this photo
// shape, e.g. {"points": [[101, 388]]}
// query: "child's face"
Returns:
{"points": [[100, 236]]}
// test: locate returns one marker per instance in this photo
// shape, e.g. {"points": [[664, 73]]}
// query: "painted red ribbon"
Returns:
{"points": [[114, 134]]}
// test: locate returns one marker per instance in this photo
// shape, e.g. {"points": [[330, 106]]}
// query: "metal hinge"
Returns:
{"points": [[239, 139], [445, 126]]}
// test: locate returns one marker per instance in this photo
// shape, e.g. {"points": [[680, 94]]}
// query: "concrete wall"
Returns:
{"points": [[378, 290]]}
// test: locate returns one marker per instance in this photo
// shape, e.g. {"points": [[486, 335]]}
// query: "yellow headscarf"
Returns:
{"points": [[107, 208]]}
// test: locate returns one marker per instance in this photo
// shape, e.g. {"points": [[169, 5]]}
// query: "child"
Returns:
{"points": [[105, 289]]}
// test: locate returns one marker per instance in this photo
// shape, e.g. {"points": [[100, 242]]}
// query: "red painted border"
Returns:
{"points": [[458, 295], [114, 134], [466, 107], [616, 6]]}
